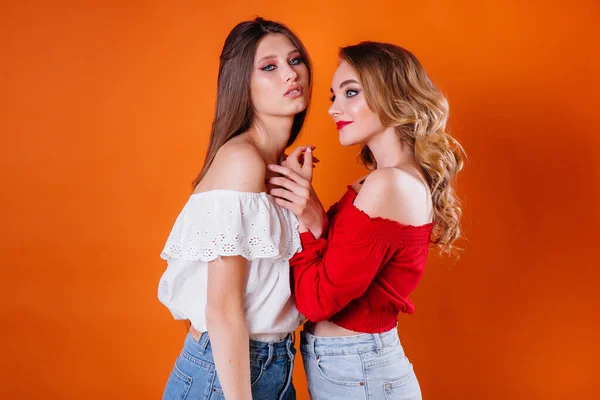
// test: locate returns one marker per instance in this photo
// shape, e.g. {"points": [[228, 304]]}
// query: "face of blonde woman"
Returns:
{"points": [[279, 81], [355, 121]]}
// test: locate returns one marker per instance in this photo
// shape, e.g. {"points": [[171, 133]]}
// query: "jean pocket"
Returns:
{"points": [[256, 371], [272, 380], [405, 388], [340, 370], [178, 385]]}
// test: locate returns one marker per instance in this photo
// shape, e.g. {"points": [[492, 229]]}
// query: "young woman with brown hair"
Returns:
{"points": [[228, 253]]}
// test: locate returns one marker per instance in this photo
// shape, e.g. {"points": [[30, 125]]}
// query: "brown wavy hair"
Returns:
{"points": [[398, 90], [234, 111]]}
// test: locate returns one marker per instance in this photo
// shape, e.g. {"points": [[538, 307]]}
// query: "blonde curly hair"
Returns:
{"points": [[398, 90]]}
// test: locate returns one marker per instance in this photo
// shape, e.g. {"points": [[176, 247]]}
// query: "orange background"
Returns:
{"points": [[105, 112]]}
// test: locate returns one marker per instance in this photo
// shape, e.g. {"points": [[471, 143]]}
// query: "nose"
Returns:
{"points": [[335, 109], [290, 74]]}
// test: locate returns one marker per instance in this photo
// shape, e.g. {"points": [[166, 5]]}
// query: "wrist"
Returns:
{"points": [[303, 228]]}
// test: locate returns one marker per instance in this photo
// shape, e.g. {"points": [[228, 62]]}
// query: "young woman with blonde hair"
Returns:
{"points": [[362, 259]]}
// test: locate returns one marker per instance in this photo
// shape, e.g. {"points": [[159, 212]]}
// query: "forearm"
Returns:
{"points": [[229, 339], [319, 228], [328, 274]]}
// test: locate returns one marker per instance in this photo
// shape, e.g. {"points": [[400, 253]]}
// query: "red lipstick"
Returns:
{"points": [[341, 124]]}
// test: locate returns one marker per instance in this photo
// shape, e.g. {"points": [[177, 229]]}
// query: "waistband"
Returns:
{"points": [[274, 349], [341, 345], [257, 337]]}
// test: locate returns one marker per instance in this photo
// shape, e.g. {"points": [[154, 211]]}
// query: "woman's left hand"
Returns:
{"points": [[295, 191]]}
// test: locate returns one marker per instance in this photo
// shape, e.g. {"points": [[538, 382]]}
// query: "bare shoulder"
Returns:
{"points": [[357, 185], [238, 166], [397, 194]]}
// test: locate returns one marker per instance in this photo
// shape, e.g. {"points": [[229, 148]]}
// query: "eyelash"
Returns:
{"points": [[332, 98], [298, 61]]}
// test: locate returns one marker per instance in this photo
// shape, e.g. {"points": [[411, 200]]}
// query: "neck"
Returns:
{"points": [[389, 150], [270, 135]]}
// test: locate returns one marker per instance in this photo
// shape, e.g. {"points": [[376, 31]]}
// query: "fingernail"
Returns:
{"points": [[309, 150]]}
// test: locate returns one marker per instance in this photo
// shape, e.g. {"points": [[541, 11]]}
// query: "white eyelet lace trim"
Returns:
{"points": [[229, 223]]}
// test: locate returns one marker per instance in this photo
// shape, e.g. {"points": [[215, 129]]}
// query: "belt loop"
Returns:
{"points": [[291, 341], [290, 346], [200, 337], [203, 342], [270, 356], [378, 342]]}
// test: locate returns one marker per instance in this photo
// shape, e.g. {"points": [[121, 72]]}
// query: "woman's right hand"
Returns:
{"points": [[296, 161], [295, 191]]}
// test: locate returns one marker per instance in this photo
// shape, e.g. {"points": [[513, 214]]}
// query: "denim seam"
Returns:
{"points": [[186, 379], [290, 361], [364, 372], [377, 362], [181, 375], [195, 360], [335, 381], [260, 374], [212, 387], [400, 382], [343, 352]]}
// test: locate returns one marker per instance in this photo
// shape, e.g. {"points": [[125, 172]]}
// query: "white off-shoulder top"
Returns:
{"points": [[228, 223]]}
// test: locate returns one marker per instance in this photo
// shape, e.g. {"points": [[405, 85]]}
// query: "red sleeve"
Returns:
{"points": [[330, 214], [332, 211], [329, 274]]}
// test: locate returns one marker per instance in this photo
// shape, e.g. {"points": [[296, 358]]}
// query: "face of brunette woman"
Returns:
{"points": [[279, 81]]}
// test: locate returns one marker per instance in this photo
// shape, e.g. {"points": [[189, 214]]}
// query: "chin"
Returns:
{"points": [[297, 108], [353, 137], [345, 141]]}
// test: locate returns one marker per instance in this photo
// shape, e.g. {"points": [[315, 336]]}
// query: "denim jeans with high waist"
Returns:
{"points": [[194, 375], [365, 366]]}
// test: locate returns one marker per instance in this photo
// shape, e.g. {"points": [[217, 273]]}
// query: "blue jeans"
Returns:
{"points": [[366, 366], [195, 377]]}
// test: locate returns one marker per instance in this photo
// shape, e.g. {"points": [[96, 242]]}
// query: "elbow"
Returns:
{"points": [[211, 314], [217, 315]]}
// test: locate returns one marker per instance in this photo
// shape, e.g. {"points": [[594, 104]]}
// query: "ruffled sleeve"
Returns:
{"points": [[229, 223]]}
